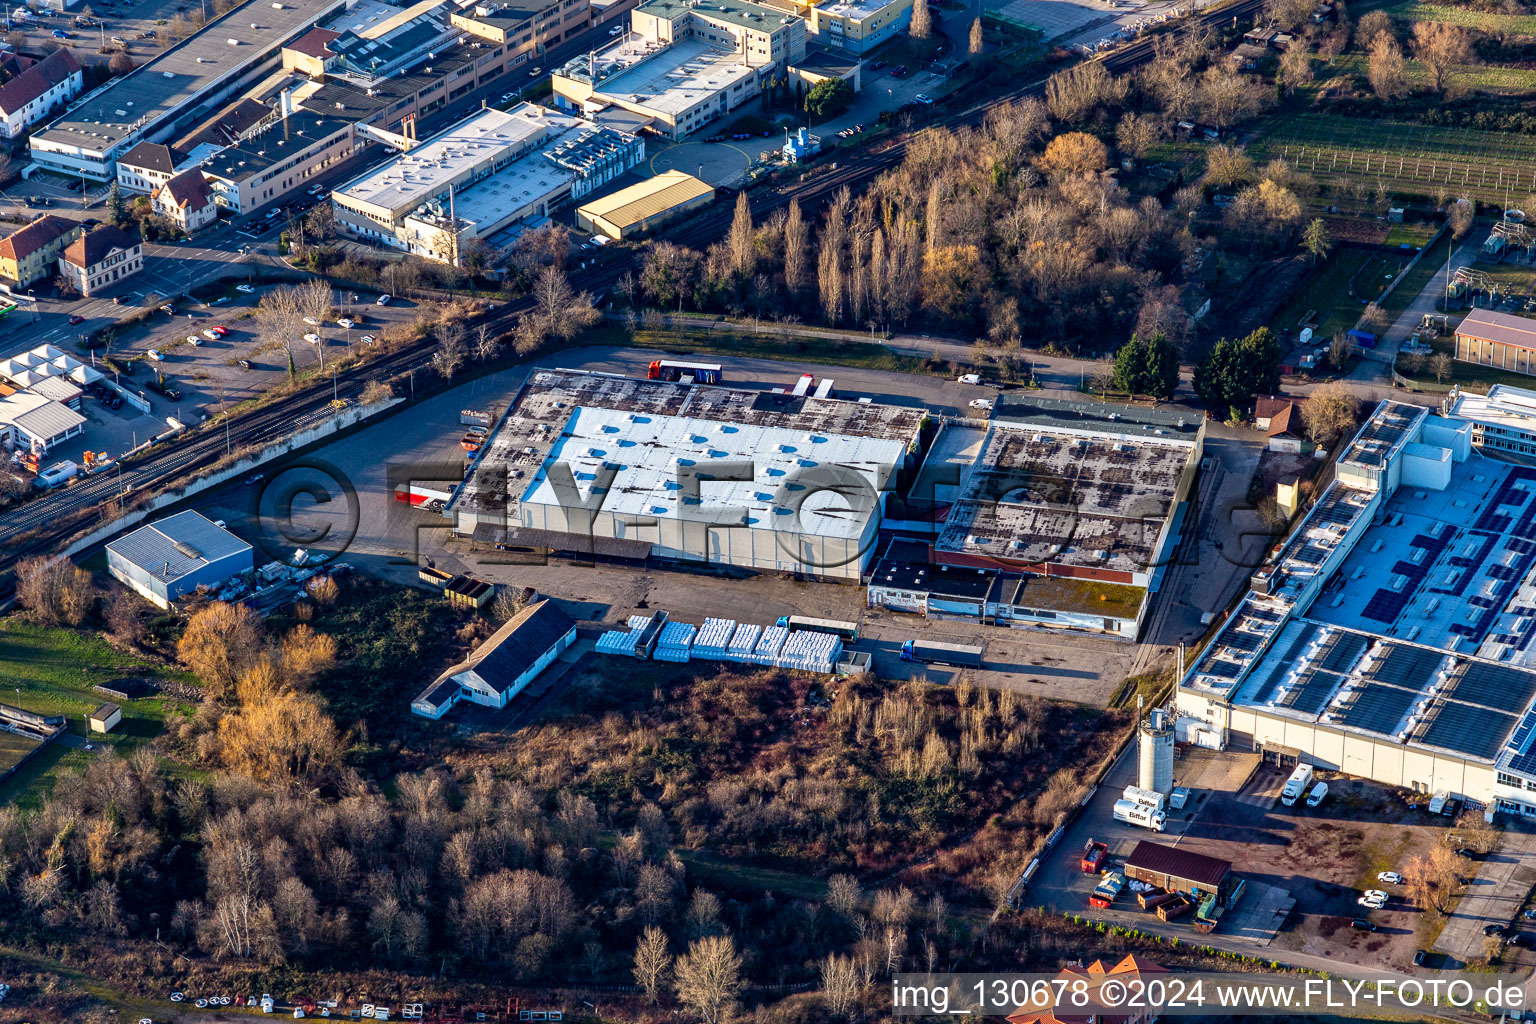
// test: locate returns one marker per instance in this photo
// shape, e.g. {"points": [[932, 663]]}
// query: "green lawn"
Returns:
{"points": [[1495, 79], [50, 671], [1512, 24], [1411, 159], [13, 748], [1328, 292]]}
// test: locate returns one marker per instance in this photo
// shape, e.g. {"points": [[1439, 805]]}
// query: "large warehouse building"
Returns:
{"points": [[1065, 514], [1391, 638], [173, 557], [175, 90], [761, 481]]}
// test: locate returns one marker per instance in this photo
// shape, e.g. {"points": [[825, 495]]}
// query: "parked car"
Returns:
{"points": [[245, 364], [1419, 956], [247, 289], [172, 394], [877, 65], [1390, 878], [924, 99], [1361, 924], [981, 403], [59, 33], [255, 478], [154, 354], [1371, 903], [168, 309], [1525, 940], [76, 319], [383, 300], [535, 73], [219, 329], [368, 339], [1493, 930], [898, 71], [312, 321], [194, 340], [313, 339], [344, 322], [616, 30]]}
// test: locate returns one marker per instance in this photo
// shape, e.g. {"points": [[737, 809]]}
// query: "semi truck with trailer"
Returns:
{"points": [[929, 652], [1133, 813], [687, 372], [1296, 785]]}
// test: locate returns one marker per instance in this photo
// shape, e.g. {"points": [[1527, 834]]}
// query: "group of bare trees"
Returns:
{"points": [[287, 313], [1443, 50]]}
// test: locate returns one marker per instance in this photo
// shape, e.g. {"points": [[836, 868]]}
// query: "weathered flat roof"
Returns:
{"points": [[170, 548], [1503, 406], [1089, 499]]}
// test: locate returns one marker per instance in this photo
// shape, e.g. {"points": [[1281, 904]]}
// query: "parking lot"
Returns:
{"points": [[1310, 864], [210, 371]]}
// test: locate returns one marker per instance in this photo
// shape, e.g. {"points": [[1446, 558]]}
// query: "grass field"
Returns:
{"points": [[51, 671], [1496, 79], [1510, 24], [1329, 291], [14, 747], [1409, 159]]}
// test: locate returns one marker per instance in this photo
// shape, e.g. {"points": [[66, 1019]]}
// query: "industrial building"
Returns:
{"points": [[279, 159], [504, 665], [480, 176], [761, 481], [1067, 513], [1390, 637], [642, 207], [684, 65], [1487, 337], [1167, 867], [1503, 420], [858, 26], [166, 560], [177, 89]]}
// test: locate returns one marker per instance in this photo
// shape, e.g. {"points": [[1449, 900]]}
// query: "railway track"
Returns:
{"points": [[42, 525]]}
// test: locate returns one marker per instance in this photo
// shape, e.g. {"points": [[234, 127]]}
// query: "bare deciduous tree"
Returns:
{"points": [[709, 977], [54, 591], [839, 985], [1442, 48], [652, 961], [1385, 69]]}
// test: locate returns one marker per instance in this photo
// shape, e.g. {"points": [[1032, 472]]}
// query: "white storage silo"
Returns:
{"points": [[1156, 753]]}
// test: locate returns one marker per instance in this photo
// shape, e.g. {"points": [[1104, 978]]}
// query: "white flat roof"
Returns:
{"points": [[426, 171], [678, 78], [1503, 406], [649, 450], [525, 180], [856, 9]]}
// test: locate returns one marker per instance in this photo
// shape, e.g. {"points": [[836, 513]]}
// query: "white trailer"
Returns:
{"points": [[1296, 785], [1133, 813], [1146, 797]]}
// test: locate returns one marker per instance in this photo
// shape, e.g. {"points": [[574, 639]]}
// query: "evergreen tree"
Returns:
{"points": [[117, 213], [1148, 367], [1237, 370]]}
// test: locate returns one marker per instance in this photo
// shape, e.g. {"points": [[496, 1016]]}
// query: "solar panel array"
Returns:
{"points": [[1465, 728], [1376, 438], [1398, 679], [1267, 677], [1387, 604], [1494, 686]]}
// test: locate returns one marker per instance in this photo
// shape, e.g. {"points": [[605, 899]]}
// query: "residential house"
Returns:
{"points": [[186, 201], [1288, 430], [34, 90], [30, 254], [1089, 981], [501, 667], [101, 258], [147, 166]]}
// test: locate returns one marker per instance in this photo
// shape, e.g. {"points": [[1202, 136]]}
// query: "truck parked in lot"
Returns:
{"points": [[1133, 813], [1106, 891], [1296, 785], [1095, 854], [1146, 797], [930, 653]]}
